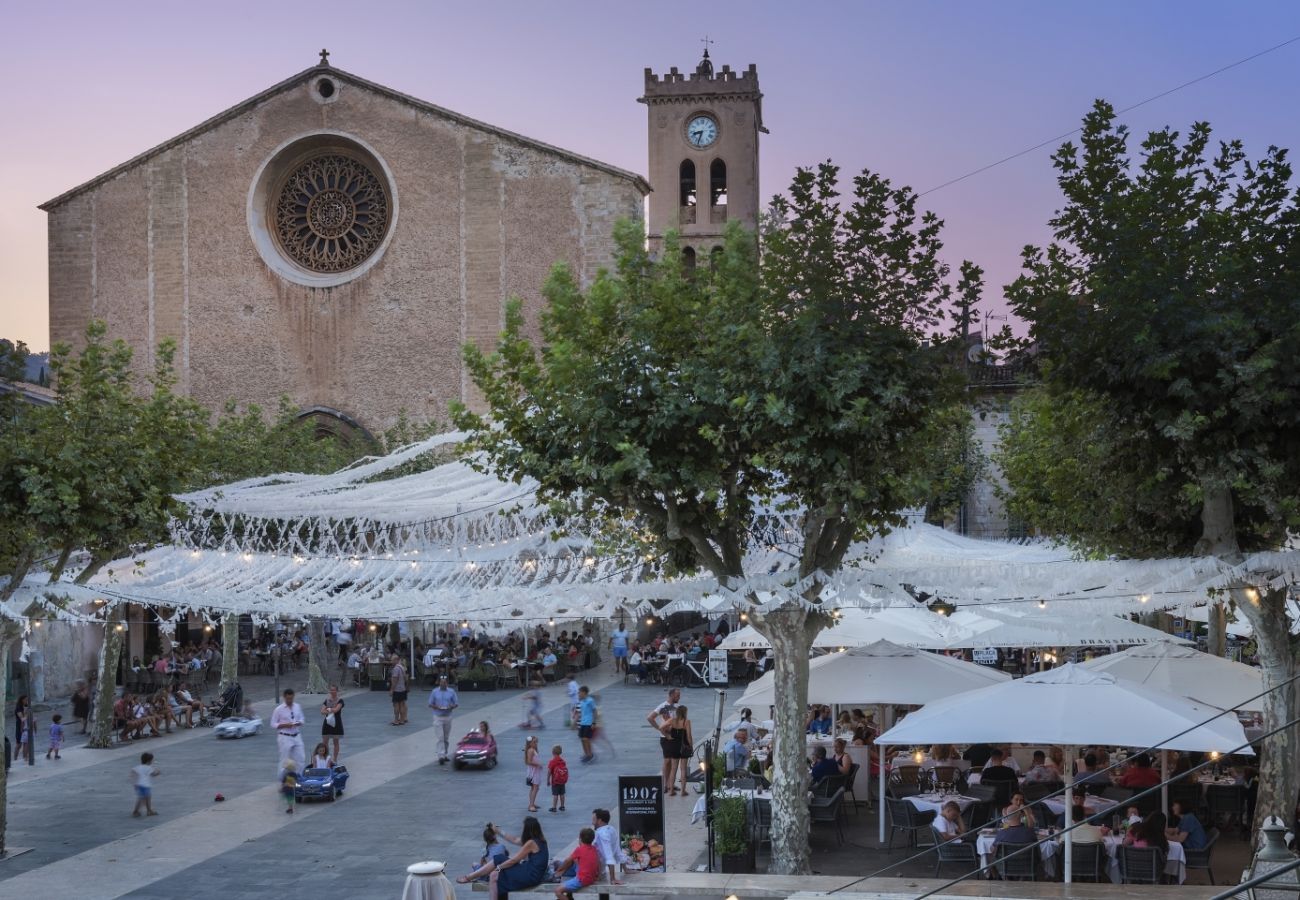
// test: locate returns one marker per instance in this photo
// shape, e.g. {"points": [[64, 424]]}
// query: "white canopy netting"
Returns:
{"points": [[382, 541]]}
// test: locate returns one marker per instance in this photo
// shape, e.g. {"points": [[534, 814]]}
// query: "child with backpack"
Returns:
{"points": [[557, 776]]}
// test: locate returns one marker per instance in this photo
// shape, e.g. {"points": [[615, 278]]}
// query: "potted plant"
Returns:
{"points": [[731, 835], [479, 678]]}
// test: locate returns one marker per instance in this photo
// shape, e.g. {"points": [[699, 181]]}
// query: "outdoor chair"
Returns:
{"points": [[827, 810], [1141, 865], [1035, 792], [1086, 861], [906, 775], [1200, 859], [899, 791], [960, 853], [982, 792], [828, 786], [946, 777], [1225, 803], [1188, 794], [1013, 866], [1118, 794], [850, 780], [906, 818], [978, 815], [760, 821], [1146, 805]]}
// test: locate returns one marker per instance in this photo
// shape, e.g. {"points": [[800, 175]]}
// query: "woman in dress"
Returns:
{"points": [[332, 712], [525, 868], [532, 770], [81, 704], [682, 741], [22, 710]]}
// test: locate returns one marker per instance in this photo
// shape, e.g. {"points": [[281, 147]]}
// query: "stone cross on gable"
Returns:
{"points": [[324, 57]]}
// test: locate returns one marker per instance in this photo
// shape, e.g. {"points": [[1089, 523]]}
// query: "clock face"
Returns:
{"points": [[701, 131]]}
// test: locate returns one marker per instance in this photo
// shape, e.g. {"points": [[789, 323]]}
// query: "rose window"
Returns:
{"points": [[331, 213]]}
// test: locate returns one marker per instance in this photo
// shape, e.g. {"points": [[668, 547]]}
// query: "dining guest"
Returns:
{"points": [[736, 752], [1186, 828], [819, 720], [1040, 772], [861, 737], [1015, 833], [978, 755], [844, 724], [1150, 832], [1140, 774], [1086, 833], [949, 823], [822, 767], [840, 756], [1009, 760], [998, 774], [1095, 781], [1016, 812]]}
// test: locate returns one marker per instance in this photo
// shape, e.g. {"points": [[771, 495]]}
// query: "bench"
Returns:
{"points": [[691, 884]]}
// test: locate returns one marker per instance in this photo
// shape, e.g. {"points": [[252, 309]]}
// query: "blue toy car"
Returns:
{"points": [[321, 784]]}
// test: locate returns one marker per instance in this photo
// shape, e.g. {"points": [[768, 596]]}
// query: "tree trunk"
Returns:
{"points": [[110, 653], [1279, 774], [229, 651], [1217, 642], [317, 656], [787, 631], [7, 633]]}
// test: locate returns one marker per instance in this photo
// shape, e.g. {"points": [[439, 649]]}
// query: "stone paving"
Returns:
{"points": [[400, 806]]}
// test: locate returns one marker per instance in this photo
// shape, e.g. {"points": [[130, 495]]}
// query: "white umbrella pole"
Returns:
{"points": [[880, 796], [410, 638], [1164, 781], [1069, 813]]}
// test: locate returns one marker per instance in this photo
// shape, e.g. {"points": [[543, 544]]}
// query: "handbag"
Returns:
{"points": [[329, 720]]}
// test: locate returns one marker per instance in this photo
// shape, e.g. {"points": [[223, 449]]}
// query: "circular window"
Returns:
{"points": [[325, 88], [331, 213], [322, 209]]}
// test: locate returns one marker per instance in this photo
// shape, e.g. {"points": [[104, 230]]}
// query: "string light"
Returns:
{"points": [[1143, 598], [1042, 604]]}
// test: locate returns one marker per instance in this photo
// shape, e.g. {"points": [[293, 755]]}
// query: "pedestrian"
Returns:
{"points": [[532, 771], [572, 689], [22, 712], [618, 643], [286, 720], [658, 717], [331, 728], [532, 710], [142, 776], [289, 783], [81, 704], [586, 722], [681, 743], [580, 868], [56, 737], [606, 843], [557, 776], [443, 701], [397, 690]]}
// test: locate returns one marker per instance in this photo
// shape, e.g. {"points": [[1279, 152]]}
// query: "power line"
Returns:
{"points": [[1127, 109]]}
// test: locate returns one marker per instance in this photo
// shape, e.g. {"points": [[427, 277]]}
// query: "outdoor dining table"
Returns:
{"points": [[1046, 850], [936, 801], [1175, 862]]}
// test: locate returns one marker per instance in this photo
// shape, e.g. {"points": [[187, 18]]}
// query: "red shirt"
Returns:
{"points": [[588, 861], [1139, 777], [558, 770]]}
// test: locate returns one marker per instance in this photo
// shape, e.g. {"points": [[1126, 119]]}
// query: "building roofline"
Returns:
{"points": [[257, 99]]}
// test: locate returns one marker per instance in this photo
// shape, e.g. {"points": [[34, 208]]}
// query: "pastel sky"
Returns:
{"points": [[919, 91]]}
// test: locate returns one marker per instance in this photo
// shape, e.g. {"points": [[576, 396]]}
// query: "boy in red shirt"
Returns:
{"points": [[557, 776], [580, 868]]}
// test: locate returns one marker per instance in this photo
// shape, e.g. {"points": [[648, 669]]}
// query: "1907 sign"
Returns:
{"points": [[641, 821]]}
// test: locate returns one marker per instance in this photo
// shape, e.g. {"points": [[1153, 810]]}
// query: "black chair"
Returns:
{"points": [[1035, 792], [906, 818], [1225, 803], [1187, 793], [906, 775], [945, 777], [981, 792], [827, 786], [898, 790], [849, 780], [1141, 865], [961, 853], [1018, 866], [828, 810], [760, 821], [1200, 859], [978, 815], [1085, 861], [1146, 805], [1118, 794]]}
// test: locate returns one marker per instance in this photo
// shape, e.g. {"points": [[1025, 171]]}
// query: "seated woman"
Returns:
{"points": [[526, 868], [844, 724], [840, 756], [1150, 832], [1017, 813], [949, 822]]}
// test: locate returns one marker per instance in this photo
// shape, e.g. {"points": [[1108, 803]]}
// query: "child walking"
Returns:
{"points": [[143, 776], [56, 737], [557, 776], [288, 783]]}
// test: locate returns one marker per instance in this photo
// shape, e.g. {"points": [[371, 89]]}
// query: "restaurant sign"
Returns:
{"points": [[641, 821], [985, 657]]}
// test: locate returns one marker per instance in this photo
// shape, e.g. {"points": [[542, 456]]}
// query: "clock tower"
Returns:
{"points": [[703, 141]]}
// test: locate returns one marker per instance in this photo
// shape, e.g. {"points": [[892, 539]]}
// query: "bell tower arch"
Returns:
{"points": [[703, 145]]}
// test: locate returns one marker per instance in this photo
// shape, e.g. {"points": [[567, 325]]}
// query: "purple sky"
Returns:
{"points": [[920, 91]]}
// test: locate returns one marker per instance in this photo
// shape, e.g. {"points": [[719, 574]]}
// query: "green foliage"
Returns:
{"points": [[678, 402], [730, 825], [1170, 301], [244, 444]]}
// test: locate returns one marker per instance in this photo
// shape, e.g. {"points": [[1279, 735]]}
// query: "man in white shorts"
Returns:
{"points": [[287, 721]]}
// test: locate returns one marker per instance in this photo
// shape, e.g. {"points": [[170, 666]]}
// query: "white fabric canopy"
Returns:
{"points": [[908, 626], [881, 673], [1071, 705], [1187, 672], [990, 626]]}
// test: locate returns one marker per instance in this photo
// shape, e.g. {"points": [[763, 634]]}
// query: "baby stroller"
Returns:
{"points": [[229, 704]]}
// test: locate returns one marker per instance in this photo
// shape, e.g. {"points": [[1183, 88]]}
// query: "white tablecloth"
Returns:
{"points": [[697, 812], [984, 847], [936, 802], [1092, 804], [1175, 862]]}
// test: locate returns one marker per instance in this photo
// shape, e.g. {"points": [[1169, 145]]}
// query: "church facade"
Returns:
{"points": [[331, 240]]}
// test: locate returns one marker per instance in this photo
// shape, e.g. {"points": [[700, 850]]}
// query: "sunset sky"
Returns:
{"points": [[922, 92]]}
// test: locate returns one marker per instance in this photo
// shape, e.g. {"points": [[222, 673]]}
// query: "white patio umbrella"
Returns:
{"points": [[1071, 706], [880, 673], [1187, 672], [907, 626], [991, 626]]}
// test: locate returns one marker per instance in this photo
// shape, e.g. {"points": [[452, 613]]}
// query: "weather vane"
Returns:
{"points": [[705, 41]]}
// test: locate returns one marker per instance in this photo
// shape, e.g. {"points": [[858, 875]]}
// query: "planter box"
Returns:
{"points": [[737, 863]]}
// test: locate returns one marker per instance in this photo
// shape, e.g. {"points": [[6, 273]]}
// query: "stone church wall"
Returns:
{"points": [[164, 249]]}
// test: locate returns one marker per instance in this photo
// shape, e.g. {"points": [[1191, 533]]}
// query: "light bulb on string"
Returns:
{"points": [[1042, 604]]}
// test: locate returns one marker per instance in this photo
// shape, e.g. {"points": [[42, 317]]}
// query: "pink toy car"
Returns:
{"points": [[476, 749]]}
